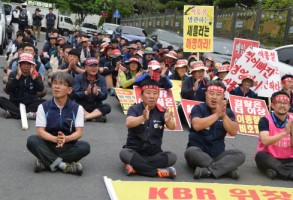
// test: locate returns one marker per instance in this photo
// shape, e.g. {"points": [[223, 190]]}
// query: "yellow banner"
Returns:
{"points": [[198, 28], [176, 90], [126, 98], [134, 190]]}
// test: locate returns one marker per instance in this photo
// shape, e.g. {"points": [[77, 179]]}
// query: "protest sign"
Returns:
{"points": [[166, 100], [126, 98], [187, 106], [250, 63], [198, 28], [239, 47], [176, 89], [154, 190], [248, 112]]}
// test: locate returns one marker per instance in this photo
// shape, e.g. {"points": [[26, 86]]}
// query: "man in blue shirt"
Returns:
{"points": [[146, 121], [210, 121]]}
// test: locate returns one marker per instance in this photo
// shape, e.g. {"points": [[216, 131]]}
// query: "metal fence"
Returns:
{"points": [[271, 27]]}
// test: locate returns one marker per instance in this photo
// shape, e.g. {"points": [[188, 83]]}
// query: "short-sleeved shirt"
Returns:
{"points": [[212, 139]]}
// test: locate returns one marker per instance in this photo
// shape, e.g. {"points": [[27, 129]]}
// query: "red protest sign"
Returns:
{"points": [[187, 106], [248, 112], [239, 47], [166, 100]]}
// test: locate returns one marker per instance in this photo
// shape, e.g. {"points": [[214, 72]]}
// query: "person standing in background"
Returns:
{"points": [[50, 21], [15, 20], [37, 23], [25, 17]]}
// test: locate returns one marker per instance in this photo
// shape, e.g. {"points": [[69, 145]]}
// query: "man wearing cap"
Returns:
{"points": [[25, 17], [50, 21], [146, 121], [170, 61], [243, 90], [37, 23], [49, 48], [131, 51], [22, 87], [210, 64], [275, 145], [86, 51], [59, 127], [222, 72], [90, 90], [147, 57], [156, 73], [132, 72], [193, 87], [72, 66], [287, 84], [180, 72], [210, 122], [180, 53]]}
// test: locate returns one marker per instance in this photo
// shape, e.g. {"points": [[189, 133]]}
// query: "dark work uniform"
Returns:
{"points": [[206, 148], [143, 147], [238, 92], [187, 89], [58, 120], [50, 17], [23, 91], [91, 102]]}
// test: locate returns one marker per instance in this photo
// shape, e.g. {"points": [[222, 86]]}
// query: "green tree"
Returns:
{"points": [[277, 4]]}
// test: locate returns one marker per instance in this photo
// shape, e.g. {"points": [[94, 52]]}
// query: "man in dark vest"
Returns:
{"points": [[37, 23]]}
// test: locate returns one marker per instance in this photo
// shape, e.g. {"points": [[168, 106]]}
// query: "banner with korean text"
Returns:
{"points": [[153, 190], [239, 47], [126, 98], [250, 63], [176, 89], [166, 100], [198, 28], [274, 81], [248, 112]]}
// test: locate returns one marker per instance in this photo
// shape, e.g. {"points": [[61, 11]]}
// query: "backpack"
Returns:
{"points": [[23, 15]]}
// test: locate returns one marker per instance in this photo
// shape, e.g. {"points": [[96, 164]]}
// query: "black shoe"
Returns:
{"points": [[202, 173], [233, 174], [102, 119], [272, 174], [73, 168], [39, 166], [7, 115]]}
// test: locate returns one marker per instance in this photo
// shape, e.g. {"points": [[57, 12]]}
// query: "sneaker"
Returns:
{"points": [[202, 173], [102, 119], [233, 174], [112, 92], [7, 115], [128, 169], [272, 174], [31, 115], [39, 166], [168, 172], [73, 168]]}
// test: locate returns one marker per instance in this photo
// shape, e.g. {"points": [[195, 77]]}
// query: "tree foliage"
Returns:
{"points": [[277, 4]]}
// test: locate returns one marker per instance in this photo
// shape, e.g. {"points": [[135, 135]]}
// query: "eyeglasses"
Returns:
{"points": [[55, 83], [279, 103]]}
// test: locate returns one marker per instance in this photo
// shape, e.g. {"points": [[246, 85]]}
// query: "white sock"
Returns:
{"points": [[62, 165]]}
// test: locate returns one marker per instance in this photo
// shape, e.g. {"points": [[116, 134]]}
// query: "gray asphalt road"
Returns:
{"points": [[19, 182]]}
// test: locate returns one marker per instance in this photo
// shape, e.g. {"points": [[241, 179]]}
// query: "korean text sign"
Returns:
{"points": [[198, 28], [248, 112]]}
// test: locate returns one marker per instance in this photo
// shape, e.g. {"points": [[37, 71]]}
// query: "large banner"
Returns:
{"points": [[126, 98], [166, 100], [239, 47], [176, 89], [198, 28], [153, 190], [187, 106], [248, 112], [250, 63]]}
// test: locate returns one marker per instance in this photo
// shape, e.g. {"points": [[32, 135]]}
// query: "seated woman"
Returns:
{"points": [[244, 88], [181, 68], [133, 70]]}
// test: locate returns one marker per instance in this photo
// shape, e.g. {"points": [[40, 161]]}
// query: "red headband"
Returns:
{"points": [[287, 79], [154, 87], [281, 98], [215, 88]]}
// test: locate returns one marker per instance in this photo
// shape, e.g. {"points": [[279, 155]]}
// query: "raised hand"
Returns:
{"points": [[95, 90], [88, 90], [146, 113], [168, 116]]}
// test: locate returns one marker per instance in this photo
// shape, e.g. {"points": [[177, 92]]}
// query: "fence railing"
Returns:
{"points": [[271, 27]]}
